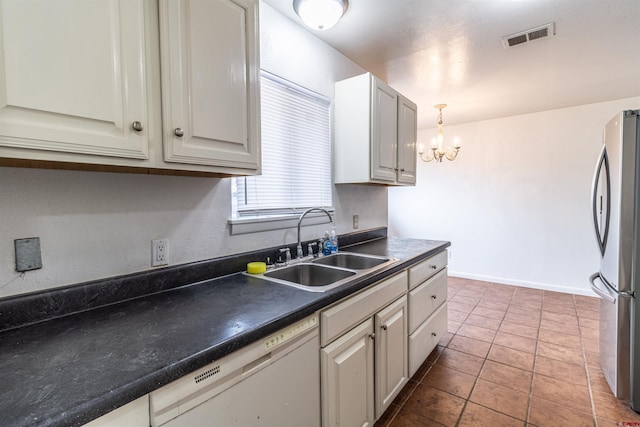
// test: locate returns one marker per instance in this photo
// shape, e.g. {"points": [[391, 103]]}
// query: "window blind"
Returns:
{"points": [[296, 152]]}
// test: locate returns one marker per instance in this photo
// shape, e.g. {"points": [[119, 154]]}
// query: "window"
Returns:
{"points": [[296, 154]]}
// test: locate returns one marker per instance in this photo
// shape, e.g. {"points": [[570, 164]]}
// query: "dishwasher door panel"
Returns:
{"points": [[286, 393]]}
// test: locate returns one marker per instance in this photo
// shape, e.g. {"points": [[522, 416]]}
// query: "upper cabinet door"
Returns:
{"points": [[71, 77], [384, 116], [407, 136], [210, 83]]}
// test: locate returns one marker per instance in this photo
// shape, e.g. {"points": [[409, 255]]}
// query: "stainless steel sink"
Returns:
{"points": [[325, 273], [310, 274], [351, 261]]}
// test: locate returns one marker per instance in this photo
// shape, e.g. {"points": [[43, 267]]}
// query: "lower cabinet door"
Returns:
{"points": [[426, 337], [391, 353], [347, 378]]}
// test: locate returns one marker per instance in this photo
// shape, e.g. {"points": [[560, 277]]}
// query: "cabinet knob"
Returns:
{"points": [[384, 327], [433, 267], [372, 336], [137, 126], [433, 297], [179, 132], [402, 170], [433, 334]]}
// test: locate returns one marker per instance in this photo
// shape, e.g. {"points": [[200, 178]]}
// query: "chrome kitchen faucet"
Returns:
{"points": [[302, 215]]}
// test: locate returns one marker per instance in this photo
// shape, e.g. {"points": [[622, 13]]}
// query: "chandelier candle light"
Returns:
{"points": [[437, 150]]}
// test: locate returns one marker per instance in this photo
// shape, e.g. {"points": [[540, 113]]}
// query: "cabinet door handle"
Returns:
{"points": [[137, 126], [433, 334], [433, 267], [434, 296], [178, 132], [402, 170], [372, 336], [384, 327]]}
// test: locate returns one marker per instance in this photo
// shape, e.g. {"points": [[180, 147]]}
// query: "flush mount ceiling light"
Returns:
{"points": [[320, 14], [437, 150]]}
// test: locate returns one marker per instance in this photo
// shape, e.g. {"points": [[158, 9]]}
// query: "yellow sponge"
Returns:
{"points": [[256, 267]]}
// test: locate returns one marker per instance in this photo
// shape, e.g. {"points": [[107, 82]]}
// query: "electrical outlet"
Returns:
{"points": [[355, 222], [159, 252], [28, 256]]}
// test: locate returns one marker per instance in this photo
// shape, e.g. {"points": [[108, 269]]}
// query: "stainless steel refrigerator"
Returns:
{"points": [[616, 217]]}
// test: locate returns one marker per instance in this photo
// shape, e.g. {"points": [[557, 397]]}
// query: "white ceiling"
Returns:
{"points": [[451, 51]]}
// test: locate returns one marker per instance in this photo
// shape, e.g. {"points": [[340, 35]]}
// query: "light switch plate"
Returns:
{"points": [[28, 256]]}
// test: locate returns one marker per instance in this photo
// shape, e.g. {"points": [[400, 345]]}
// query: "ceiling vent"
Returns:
{"points": [[529, 35]]}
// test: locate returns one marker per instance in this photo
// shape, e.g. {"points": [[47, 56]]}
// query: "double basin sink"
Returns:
{"points": [[328, 272]]}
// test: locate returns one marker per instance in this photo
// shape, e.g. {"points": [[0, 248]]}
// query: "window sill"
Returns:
{"points": [[275, 222]]}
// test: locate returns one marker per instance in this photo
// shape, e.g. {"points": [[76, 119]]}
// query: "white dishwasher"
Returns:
{"points": [[274, 382]]}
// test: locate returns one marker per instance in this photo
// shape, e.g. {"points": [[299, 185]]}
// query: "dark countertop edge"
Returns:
{"points": [[40, 306], [177, 370]]}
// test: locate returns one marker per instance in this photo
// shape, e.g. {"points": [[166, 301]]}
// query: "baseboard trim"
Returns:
{"points": [[525, 284]]}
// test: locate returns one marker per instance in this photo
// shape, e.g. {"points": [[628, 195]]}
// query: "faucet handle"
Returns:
{"points": [[287, 254], [310, 249]]}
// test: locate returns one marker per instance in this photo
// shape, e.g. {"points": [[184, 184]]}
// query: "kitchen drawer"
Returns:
{"points": [[426, 337], [426, 298], [340, 318], [427, 268]]}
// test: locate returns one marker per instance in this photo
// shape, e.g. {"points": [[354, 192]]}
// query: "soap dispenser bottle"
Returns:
{"points": [[326, 244], [333, 240]]}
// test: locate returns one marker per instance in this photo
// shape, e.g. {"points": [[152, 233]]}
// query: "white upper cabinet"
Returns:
{"points": [[132, 85], [384, 137], [71, 77], [209, 52], [407, 137], [375, 133]]}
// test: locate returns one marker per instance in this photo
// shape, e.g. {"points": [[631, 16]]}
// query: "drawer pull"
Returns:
{"points": [[433, 297], [384, 327], [433, 334], [433, 267]]}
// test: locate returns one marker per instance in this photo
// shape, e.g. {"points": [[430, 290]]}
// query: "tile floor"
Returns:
{"points": [[513, 356]]}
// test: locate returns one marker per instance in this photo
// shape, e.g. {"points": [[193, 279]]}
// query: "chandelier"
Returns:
{"points": [[437, 150]]}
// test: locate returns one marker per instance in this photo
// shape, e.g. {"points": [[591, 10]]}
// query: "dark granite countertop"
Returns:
{"points": [[69, 370]]}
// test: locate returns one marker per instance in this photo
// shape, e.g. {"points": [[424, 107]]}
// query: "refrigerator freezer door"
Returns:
{"points": [[614, 338]]}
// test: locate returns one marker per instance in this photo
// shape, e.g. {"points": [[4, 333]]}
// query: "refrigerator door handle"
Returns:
{"points": [[605, 293], [601, 167]]}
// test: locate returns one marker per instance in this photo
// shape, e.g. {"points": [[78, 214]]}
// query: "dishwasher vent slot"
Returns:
{"points": [[207, 374]]}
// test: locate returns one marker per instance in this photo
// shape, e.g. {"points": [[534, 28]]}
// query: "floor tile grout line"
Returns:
{"points": [[468, 398], [535, 360], [586, 368]]}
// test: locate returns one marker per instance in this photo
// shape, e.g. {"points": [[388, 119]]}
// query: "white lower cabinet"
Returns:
{"points": [[391, 353], [364, 354], [425, 338], [347, 378], [133, 414], [427, 308]]}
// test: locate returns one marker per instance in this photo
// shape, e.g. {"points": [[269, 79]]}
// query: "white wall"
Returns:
{"points": [[94, 225], [516, 202]]}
